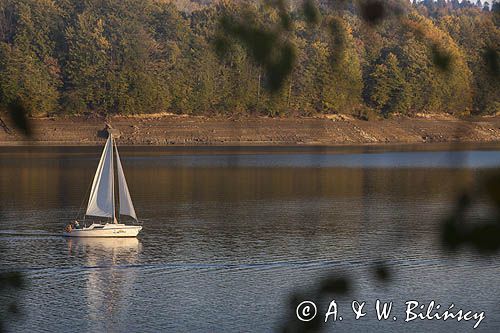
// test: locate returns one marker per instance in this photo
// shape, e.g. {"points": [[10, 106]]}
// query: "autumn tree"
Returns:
{"points": [[389, 91]]}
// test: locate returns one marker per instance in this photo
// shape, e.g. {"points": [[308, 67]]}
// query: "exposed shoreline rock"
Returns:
{"points": [[168, 130]]}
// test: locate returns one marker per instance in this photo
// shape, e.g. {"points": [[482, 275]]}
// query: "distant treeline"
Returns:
{"points": [[148, 56]]}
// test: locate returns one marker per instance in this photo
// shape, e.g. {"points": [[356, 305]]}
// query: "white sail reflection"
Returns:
{"points": [[109, 278]]}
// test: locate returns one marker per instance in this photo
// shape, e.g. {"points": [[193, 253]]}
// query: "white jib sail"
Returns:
{"points": [[101, 201], [126, 206]]}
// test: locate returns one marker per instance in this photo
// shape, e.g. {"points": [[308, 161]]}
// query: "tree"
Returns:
{"points": [[87, 65], [435, 68], [128, 56], [29, 71], [478, 38], [338, 76], [389, 90]]}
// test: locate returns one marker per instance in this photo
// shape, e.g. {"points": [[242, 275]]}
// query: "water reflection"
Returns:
{"points": [[127, 247], [109, 280]]}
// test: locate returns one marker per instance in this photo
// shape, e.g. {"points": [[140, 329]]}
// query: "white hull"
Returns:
{"points": [[106, 230]]}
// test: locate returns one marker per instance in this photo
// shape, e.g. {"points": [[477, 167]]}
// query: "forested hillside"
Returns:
{"points": [[147, 56]]}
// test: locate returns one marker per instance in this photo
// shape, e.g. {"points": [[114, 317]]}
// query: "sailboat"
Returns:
{"points": [[102, 201]]}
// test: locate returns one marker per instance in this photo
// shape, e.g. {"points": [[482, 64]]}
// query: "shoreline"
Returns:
{"points": [[198, 131]]}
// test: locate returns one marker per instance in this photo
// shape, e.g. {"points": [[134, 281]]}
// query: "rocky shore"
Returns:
{"points": [[167, 129]]}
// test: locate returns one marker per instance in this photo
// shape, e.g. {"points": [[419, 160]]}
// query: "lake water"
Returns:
{"points": [[231, 234]]}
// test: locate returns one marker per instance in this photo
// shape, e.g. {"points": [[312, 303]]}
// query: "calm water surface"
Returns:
{"points": [[230, 234]]}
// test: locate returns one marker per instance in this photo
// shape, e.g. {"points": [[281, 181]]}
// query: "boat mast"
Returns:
{"points": [[113, 214]]}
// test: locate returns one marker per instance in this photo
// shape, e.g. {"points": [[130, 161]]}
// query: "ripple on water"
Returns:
{"points": [[227, 241]]}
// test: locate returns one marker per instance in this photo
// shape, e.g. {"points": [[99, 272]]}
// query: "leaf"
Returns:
{"points": [[373, 11], [441, 58], [382, 272], [311, 12], [485, 238], [11, 279], [19, 116], [492, 60], [279, 71], [222, 46], [492, 188], [337, 285]]}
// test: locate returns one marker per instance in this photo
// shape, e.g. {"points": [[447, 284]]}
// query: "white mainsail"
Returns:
{"points": [[101, 200], [126, 206]]}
